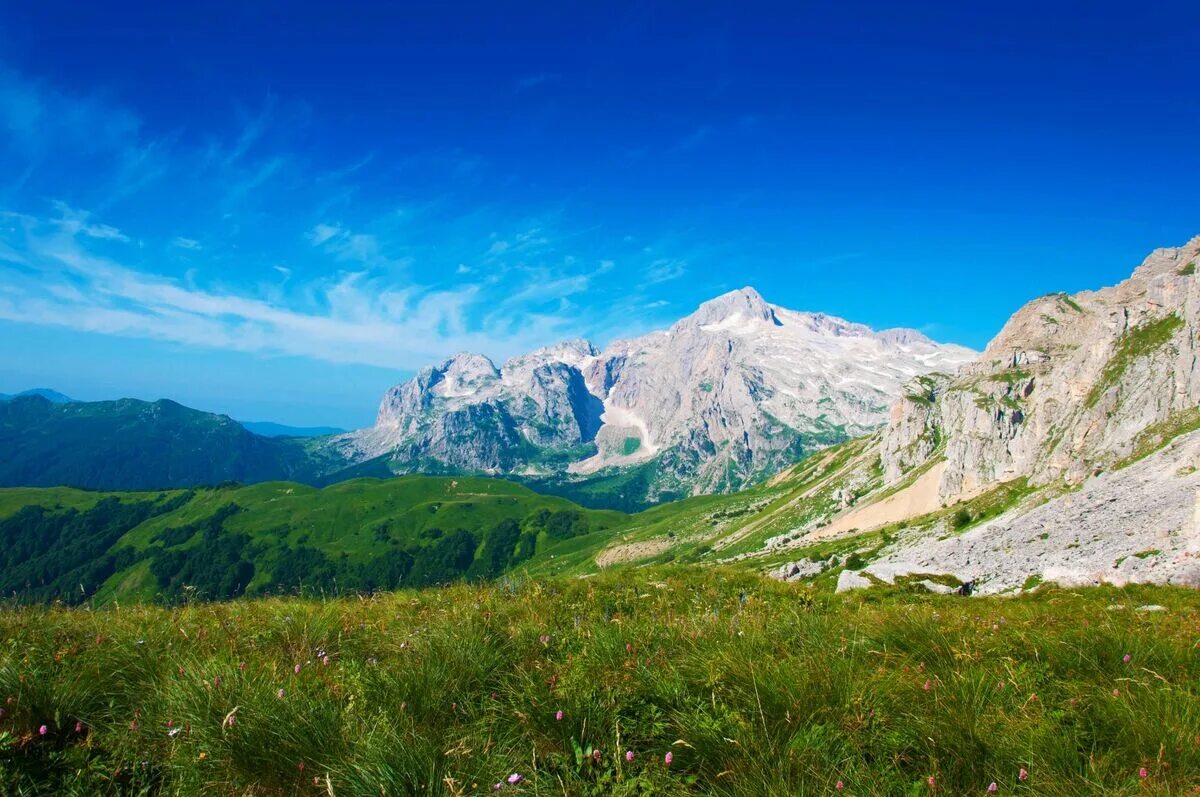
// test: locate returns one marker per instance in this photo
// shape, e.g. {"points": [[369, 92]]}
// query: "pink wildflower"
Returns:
{"points": [[216, 680], [514, 779], [558, 715], [280, 693], [596, 756], [629, 756], [79, 727], [928, 685], [1023, 774], [42, 731], [992, 787], [325, 659], [932, 783], [1127, 658], [296, 669], [241, 666], [1142, 773], [668, 758], [840, 786]]}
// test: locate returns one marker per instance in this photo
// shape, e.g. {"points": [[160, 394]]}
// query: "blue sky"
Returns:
{"points": [[276, 210]]}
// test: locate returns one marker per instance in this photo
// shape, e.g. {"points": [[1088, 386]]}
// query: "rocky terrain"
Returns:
{"points": [[731, 393], [1078, 421]]}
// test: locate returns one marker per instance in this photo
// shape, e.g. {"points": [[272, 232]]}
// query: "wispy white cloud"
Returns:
{"points": [[665, 270], [60, 279], [339, 261]]}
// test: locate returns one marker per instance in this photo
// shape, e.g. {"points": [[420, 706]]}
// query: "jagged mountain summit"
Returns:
{"points": [[730, 393]]}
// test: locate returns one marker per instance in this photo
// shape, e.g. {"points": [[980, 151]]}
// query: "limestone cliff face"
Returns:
{"points": [[1070, 385], [736, 390]]}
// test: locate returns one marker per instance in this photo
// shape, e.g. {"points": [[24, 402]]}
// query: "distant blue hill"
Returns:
{"points": [[53, 396], [269, 429]]}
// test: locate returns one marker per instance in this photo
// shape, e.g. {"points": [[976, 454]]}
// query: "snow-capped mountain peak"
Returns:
{"points": [[728, 393]]}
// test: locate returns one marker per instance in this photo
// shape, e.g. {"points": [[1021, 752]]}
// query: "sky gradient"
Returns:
{"points": [[277, 210]]}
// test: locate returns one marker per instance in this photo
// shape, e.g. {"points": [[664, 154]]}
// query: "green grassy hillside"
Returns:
{"points": [[368, 534], [131, 445], [230, 540], [751, 686]]}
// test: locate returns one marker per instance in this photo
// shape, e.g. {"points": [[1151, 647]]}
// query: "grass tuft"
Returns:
{"points": [[754, 686]]}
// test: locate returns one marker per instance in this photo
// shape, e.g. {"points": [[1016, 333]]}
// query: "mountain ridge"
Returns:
{"points": [[726, 395]]}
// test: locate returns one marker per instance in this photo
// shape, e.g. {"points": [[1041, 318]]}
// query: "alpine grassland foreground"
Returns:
{"points": [[653, 681]]}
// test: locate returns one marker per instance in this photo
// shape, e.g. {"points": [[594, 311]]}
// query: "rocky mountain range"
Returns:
{"points": [[728, 394], [1069, 451]]}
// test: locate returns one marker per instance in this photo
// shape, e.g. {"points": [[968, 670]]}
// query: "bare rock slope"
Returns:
{"points": [[731, 393], [1067, 452]]}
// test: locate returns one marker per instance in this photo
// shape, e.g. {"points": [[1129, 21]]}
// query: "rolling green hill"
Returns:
{"points": [[134, 445], [229, 540], [367, 534]]}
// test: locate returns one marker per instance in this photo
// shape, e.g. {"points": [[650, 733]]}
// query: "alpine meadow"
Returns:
{"points": [[640, 399]]}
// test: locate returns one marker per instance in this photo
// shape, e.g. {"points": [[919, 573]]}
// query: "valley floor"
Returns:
{"points": [[651, 681]]}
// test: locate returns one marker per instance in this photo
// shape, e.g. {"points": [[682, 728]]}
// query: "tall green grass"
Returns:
{"points": [[754, 687]]}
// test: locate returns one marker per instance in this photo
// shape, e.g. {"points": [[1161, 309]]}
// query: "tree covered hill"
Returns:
{"points": [[135, 445], [278, 537]]}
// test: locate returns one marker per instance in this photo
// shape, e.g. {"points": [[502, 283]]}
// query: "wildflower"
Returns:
{"points": [[280, 693], [296, 669], [173, 733], [498, 786], [42, 731], [325, 659], [241, 666], [629, 756], [216, 680], [300, 766], [992, 787], [1023, 775], [558, 715], [840, 786], [1127, 658], [932, 783], [1116, 693], [514, 779], [78, 727], [1142, 773], [668, 758], [928, 686], [133, 725], [596, 756], [544, 639]]}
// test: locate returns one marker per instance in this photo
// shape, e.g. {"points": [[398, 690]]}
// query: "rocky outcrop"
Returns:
{"points": [[735, 391], [1066, 388], [1077, 427]]}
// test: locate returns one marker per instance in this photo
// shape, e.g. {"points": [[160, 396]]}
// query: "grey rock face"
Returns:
{"points": [[1068, 386], [1092, 399], [736, 390]]}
